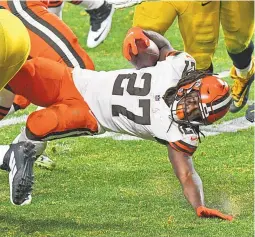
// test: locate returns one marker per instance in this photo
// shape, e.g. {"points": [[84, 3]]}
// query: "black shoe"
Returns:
{"points": [[20, 158], [250, 112], [100, 24]]}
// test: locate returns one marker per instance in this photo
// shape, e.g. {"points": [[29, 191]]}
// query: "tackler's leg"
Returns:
{"points": [[199, 27], [237, 19]]}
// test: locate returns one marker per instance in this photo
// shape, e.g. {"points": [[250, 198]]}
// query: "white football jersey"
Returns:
{"points": [[130, 101]]}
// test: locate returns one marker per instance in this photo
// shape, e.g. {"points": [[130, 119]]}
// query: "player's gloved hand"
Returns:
{"points": [[210, 213], [163, 44], [129, 45]]}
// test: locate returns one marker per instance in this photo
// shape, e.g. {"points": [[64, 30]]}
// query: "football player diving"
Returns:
{"points": [[199, 23], [165, 103]]}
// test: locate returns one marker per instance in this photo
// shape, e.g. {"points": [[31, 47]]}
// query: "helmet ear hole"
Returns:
{"points": [[218, 98]]}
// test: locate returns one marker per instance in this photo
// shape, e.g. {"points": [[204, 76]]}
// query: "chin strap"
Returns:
{"points": [[198, 132]]}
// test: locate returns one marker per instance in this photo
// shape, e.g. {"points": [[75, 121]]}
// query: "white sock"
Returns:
{"points": [[39, 145], [244, 72], [87, 4], [3, 150]]}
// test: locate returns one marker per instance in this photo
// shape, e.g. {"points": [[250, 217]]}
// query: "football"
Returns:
{"points": [[147, 56]]}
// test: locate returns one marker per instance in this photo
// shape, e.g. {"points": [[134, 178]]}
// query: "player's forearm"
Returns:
{"points": [[190, 181], [163, 44], [192, 184], [193, 189]]}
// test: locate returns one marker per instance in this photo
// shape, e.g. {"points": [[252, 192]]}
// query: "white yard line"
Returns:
{"points": [[223, 74], [212, 130], [233, 125], [12, 121]]}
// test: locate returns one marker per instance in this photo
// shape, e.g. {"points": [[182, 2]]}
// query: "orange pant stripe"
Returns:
{"points": [[51, 34]]}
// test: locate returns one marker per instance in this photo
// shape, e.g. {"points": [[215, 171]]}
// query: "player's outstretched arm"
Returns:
{"points": [[192, 184], [188, 177]]}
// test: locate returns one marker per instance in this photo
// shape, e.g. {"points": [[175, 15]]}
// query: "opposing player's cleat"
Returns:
{"points": [[240, 89], [123, 3], [100, 24], [20, 159], [250, 113], [45, 162]]}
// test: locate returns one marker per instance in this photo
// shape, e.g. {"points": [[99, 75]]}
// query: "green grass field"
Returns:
{"points": [[105, 187]]}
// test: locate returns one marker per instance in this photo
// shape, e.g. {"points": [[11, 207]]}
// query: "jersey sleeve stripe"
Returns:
{"points": [[191, 147], [176, 147], [173, 53], [185, 146]]}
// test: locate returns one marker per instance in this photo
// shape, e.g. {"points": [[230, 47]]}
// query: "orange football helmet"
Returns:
{"points": [[201, 102]]}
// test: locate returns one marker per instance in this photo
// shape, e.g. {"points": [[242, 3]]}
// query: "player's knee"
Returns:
{"points": [[203, 61], [236, 39], [42, 122], [237, 28], [236, 44], [184, 176]]}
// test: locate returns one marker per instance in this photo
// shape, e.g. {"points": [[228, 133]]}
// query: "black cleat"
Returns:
{"points": [[100, 24], [21, 158], [240, 89], [250, 113]]}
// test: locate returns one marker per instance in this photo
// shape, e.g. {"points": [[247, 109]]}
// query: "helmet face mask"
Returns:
{"points": [[201, 102], [188, 108]]}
